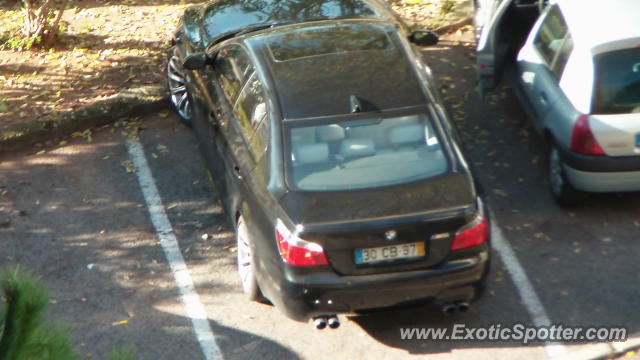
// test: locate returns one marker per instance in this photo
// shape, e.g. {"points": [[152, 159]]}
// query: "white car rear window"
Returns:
{"points": [[617, 82]]}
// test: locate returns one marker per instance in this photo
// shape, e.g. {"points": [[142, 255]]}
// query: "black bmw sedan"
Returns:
{"points": [[333, 155]]}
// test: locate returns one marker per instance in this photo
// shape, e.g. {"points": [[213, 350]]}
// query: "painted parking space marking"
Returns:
{"points": [[194, 308], [525, 289]]}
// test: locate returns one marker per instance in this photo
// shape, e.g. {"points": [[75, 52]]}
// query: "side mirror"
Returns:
{"points": [[423, 37], [195, 61]]}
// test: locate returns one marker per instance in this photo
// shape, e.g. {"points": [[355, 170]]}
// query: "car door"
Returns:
{"points": [[491, 50], [251, 123], [501, 27], [540, 65], [244, 130], [226, 79]]}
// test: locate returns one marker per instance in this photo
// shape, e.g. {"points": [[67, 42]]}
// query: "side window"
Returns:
{"points": [[250, 113], [191, 25], [232, 66], [554, 42]]}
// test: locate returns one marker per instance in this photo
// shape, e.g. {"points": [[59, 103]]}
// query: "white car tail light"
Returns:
{"points": [[582, 139]]}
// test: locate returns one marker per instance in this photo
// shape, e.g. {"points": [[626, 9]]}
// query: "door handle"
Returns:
{"points": [[237, 171], [213, 119], [543, 98]]}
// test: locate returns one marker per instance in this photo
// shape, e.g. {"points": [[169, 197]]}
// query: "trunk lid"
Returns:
{"points": [[427, 212], [618, 135]]}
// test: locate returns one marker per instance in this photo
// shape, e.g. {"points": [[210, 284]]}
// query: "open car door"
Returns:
{"points": [[491, 49], [501, 28]]}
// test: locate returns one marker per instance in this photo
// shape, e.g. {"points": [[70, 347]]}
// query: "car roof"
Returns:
{"points": [[317, 69], [595, 22]]}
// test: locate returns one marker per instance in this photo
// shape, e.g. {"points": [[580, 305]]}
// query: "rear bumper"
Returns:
{"points": [[601, 182], [598, 164], [599, 174], [301, 297]]}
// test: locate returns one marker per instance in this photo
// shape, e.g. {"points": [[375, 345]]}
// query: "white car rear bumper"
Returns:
{"points": [[603, 182]]}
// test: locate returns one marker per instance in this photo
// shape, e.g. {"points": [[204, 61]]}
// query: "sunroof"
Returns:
{"points": [[328, 40]]}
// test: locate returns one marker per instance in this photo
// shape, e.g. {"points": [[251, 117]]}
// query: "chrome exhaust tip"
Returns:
{"points": [[333, 322], [463, 306], [320, 322], [448, 309]]}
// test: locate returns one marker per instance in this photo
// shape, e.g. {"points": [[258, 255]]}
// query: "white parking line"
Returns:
{"points": [[195, 309], [523, 285]]}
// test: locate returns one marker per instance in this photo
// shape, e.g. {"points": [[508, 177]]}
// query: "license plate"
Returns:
{"points": [[391, 252]]}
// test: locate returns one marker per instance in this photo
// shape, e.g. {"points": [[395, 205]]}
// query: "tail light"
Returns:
{"points": [[297, 252], [474, 233], [582, 139]]}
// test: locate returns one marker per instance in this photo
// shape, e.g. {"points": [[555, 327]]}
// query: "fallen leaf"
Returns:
{"points": [[500, 192], [163, 113], [128, 165]]}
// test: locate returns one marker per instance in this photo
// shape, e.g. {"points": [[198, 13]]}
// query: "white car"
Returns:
{"points": [[575, 66]]}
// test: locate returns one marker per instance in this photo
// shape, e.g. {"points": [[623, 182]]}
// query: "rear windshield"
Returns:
{"points": [[328, 40], [364, 153], [617, 87]]}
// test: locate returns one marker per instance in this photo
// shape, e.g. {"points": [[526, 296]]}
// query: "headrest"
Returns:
{"points": [[407, 134], [311, 153], [303, 134], [351, 148], [331, 132]]}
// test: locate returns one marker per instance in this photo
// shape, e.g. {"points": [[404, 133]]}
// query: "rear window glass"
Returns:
{"points": [[328, 40], [364, 153], [617, 87]]}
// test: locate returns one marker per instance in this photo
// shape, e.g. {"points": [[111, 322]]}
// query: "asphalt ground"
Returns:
{"points": [[74, 214]]}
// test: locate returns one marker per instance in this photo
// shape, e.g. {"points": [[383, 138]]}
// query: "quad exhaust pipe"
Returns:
{"points": [[333, 322], [450, 308], [321, 322], [463, 306]]}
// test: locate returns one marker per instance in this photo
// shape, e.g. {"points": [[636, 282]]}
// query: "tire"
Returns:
{"points": [[563, 192], [246, 269], [178, 93]]}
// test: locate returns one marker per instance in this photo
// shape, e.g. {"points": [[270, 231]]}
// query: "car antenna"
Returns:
{"points": [[356, 106]]}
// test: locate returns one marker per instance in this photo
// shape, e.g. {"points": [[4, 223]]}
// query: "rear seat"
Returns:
{"points": [[407, 135], [327, 143], [313, 153], [354, 148]]}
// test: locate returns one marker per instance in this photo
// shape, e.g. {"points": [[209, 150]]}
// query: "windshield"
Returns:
{"points": [[617, 89], [328, 40], [364, 153], [226, 16]]}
